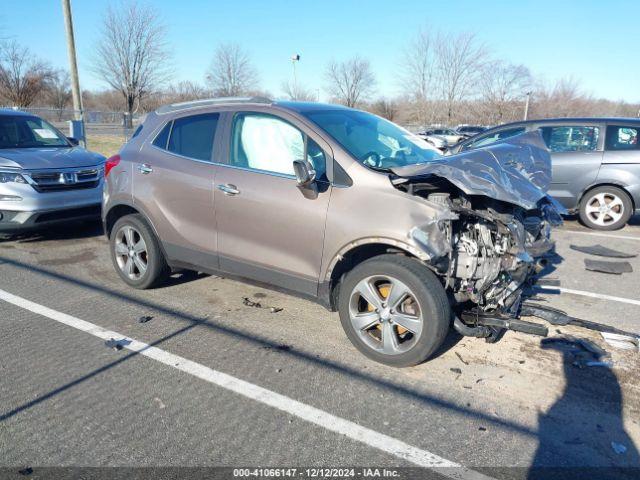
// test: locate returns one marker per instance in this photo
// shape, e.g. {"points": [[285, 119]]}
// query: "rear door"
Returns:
{"points": [[173, 183], [576, 156], [269, 229], [622, 145]]}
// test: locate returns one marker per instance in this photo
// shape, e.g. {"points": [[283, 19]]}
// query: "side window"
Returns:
{"points": [[622, 138], [571, 138], [267, 143], [193, 136], [163, 137], [494, 137]]}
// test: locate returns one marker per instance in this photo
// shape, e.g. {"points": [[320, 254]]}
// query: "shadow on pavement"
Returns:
{"points": [[66, 231], [568, 442], [567, 436]]}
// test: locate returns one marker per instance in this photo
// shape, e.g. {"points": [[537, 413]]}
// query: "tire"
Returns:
{"points": [[156, 272], [596, 211], [430, 321]]}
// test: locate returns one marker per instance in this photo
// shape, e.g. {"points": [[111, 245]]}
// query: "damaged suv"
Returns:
{"points": [[337, 205]]}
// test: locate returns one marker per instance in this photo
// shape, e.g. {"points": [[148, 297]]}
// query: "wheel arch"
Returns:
{"points": [[607, 183], [354, 254]]}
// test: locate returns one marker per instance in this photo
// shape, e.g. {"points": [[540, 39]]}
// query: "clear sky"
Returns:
{"points": [[596, 42]]}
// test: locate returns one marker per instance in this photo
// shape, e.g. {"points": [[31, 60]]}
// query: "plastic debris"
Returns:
{"points": [[250, 303], [624, 342], [117, 344], [25, 472], [601, 251], [145, 319], [456, 370], [462, 359], [616, 268], [618, 448]]}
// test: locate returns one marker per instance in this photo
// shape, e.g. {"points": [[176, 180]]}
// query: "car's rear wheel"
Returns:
{"points": [[136, 253], [394, 310], [605, 208]]}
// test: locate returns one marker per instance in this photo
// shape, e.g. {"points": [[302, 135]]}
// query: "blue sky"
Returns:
{"points": [[595, 42]]}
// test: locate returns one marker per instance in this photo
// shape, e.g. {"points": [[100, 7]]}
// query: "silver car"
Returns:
{"points": [[596, 164], [45, 178]]}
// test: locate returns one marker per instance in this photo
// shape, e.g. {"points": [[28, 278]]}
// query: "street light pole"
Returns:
{"points": [[73, 65], [526, 106], [295, 58]]}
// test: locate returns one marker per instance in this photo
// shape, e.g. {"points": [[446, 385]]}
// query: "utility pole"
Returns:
{"points": [[526, 106], [295, 58], [73, 67]]}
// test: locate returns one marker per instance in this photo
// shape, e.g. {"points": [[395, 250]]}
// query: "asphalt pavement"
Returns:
{"points": [[205, 380]]}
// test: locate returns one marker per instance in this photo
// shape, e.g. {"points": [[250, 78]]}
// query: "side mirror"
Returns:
{"points": [[305, 174], [73, 141]]}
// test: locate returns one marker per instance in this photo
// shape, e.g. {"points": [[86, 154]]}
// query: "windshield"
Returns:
{"points": [[373, 141], [29, 132]]}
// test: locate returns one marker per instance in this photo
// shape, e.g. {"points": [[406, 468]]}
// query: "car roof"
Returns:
{"points": [[11, 112], [229, 101], [572, 119]]}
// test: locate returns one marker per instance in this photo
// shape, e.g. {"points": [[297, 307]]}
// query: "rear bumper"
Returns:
{"points": [[12, 221]]}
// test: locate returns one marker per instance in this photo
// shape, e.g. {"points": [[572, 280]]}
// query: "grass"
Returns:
{"points": [[106, 145]]}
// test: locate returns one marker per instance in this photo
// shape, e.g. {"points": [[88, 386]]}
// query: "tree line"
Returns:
{"points": [[444, 78]]}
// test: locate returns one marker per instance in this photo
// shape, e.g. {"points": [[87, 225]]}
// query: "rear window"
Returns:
{"points": [[571, 138], [190, 137], [621, 137]]}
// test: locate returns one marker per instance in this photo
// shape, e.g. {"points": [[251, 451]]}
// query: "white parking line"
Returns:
{"points": [[597, 295], [306, 412], [597, 234]]}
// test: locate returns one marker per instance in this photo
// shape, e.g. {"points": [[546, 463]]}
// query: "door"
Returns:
{"points": [[622, 144], [269, 229], [576, 156], [174, 182]]}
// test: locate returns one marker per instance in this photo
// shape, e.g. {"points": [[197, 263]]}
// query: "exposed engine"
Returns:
{"points": [[486, 249]]}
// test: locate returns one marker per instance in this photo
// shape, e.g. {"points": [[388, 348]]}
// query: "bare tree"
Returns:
{"points": [[504, 86], [459, 60], [418, 73], [384, 108], [131, 55], [59, 91], [296, 92], [351, 81], [22, 77], [231, 73]]}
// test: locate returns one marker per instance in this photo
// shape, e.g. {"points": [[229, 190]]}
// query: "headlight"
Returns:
{"points": [[8, 176]]}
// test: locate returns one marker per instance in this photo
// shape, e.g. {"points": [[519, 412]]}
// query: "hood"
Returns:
{"points": [[48, 158], [516, 170]]}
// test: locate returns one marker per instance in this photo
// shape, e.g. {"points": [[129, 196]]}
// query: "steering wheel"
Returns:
{"points": [[370, 157]]}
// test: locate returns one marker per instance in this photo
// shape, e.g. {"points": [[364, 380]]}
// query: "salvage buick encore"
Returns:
{"points": [[337, 205], [44, 177]]}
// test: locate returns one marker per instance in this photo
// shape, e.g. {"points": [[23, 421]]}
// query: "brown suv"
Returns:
{"points": [[337, 205]]}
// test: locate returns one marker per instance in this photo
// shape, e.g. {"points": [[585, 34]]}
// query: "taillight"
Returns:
{"points": [[110, 163]]}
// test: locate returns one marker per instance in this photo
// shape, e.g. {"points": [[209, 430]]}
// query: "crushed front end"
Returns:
{"points": [[494, 234]]}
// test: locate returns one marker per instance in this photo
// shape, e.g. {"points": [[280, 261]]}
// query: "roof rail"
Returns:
{"points": [[175, 107]]}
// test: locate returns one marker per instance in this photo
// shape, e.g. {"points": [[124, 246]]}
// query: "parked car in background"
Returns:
{"points": [[335, 204], [441, 138], [45, 177], [469, 131], [596, 164]]}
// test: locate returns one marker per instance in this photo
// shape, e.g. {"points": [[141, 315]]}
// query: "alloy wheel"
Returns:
{"points": [[131, 252], [604, 209], [385, 314]]}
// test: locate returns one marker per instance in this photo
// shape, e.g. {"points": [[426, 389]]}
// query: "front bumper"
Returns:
{"points": [[15, 222]]}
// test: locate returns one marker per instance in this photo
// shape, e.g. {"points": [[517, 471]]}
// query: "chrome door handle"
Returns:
{"points": [[229, 189], [145, 168]]}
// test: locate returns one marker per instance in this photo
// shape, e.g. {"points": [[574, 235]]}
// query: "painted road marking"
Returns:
{"points": [[598, 234], [630, 301], [301, 410]]}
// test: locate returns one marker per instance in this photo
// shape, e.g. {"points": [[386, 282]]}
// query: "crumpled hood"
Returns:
{"points": [[45, 158], [516, 170]]}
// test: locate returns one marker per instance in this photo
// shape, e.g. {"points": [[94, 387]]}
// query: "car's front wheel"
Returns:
{"points": [[605, 208], [136, 253], [394, 310]]}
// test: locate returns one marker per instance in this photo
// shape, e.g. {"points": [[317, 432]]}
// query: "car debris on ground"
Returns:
{"points": [[616, 268], [624, 342], [246, 301], [602, 251]]}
